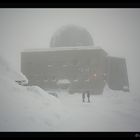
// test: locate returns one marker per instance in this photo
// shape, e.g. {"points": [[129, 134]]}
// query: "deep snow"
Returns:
{"points": [[112, 111], [26, 108], [33, 109]]}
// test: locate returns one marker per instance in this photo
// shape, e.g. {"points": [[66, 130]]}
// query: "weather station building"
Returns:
{"points": [[74, 63]]}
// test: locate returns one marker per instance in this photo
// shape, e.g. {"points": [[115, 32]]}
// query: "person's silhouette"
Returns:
{"points": [[88, 95], [83, 96]]}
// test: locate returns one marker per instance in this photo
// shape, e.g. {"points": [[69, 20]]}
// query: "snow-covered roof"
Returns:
{"points": [[62, 49]]}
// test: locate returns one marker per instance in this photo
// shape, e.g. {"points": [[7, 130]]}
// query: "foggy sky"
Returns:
{"points": [[115, 30]]}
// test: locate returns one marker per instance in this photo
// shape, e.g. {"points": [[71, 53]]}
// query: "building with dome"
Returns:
{"points": [[74, 58]]}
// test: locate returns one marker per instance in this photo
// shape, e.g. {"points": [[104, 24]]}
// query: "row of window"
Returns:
{"points": [[55, 80], [75, 80], [75, 62], [42, 76], [79, 69]]}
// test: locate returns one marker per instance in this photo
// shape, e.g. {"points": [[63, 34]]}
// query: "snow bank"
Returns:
{"points": [[7, 72], [25, 108], [29, 108]]}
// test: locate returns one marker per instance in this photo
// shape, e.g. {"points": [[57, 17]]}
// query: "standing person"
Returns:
{"points": [[83, 96], [88, 95]]}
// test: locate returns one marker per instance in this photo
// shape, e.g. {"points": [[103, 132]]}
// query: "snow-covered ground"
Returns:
{"points": [[26, 108], [33, 109], [112, 111]]}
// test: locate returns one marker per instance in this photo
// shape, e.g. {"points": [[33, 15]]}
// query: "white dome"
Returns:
{"points": [[71, 35]]}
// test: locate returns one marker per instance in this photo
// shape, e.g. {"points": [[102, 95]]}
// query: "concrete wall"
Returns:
{"points": [[84, 68]]}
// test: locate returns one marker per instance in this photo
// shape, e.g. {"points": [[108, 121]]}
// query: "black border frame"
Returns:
{"points": [[97, 4], [69, 134], [70, 5]]}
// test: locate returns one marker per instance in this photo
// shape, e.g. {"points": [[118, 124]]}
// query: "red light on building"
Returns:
{"points": [[94, 75]]}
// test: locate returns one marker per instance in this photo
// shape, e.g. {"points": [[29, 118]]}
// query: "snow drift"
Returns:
{"points": [[29, 108], [25, 108], [114, 111]]}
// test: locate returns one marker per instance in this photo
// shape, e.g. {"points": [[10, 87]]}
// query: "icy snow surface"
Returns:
{"points": [[112, 111]]}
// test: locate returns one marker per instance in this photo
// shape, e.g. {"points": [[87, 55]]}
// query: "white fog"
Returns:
{"points": [[30, 108]]}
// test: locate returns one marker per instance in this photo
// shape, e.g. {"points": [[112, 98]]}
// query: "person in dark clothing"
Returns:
{"points": [[88, 96], [83, 96]]}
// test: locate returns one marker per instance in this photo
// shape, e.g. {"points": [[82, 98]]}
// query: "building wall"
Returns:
{"points": [[84, 68], [117, 74]]}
